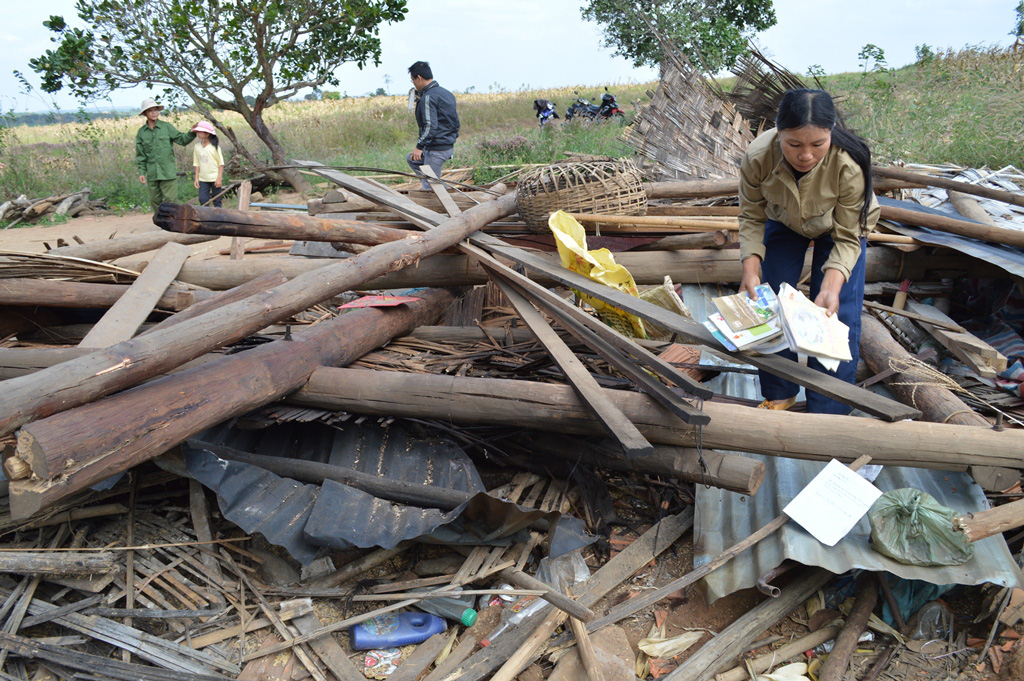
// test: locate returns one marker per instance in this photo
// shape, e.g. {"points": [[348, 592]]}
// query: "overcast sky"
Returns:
{"points": [[514, 44]]}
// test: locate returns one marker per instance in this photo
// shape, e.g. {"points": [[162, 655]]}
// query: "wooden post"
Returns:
{"points": [[179, 217], [733, 427], [80, 381], [839, 659], [238, 243], [719, 652], [650, 267], [112, 249], [54, 293], [977, 526], [88, 444]]}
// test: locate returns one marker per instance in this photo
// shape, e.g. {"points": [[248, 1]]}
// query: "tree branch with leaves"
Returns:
{"points": [[712, 33], [211, 55]]}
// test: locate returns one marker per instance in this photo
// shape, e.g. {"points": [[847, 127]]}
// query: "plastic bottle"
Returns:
{"points": [[455, 608], [513, 614], [395, 630]]}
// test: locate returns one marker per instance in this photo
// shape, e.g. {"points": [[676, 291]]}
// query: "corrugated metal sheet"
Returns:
{"points": [[725, 518], [303, 518], [1009, 258]]}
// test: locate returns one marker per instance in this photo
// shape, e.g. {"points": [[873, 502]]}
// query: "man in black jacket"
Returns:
{"points": [[437, 119]]}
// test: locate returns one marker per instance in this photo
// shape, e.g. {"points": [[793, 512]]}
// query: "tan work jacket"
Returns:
{"points": [[827, 200]]}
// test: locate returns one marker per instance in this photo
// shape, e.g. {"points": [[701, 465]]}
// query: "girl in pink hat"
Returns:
{"points": [[208, 162]]}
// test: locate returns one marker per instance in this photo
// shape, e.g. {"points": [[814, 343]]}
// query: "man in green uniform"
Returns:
{"points": [[154, 154]]}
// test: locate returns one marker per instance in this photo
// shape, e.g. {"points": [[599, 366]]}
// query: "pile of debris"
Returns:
{"points": [[24, 209], [488, 445]]}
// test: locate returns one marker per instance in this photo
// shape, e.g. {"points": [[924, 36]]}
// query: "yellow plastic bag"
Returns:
{"points": [[599, 266]]}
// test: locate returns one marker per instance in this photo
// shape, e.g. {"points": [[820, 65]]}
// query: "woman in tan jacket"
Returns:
{"points": [[806, 182]]}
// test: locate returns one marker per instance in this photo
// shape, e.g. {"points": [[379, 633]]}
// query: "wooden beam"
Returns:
{"points": [[706, 467], [719, 652], [968, 348], [112, 249], [685, 267], [968, 228], [621, 428], [439, 190], [54, 293], [183, 218], [125, 317], [937, 404], [543, 406], [937, 323], [978, 526]]}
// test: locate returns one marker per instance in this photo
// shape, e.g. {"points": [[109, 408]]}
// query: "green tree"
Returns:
{"points": [[211, 55], [1018, 25], [711, 32]]}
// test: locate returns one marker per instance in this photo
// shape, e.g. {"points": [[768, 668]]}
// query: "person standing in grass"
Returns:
{"points": [[154, 154], [208, 162], [806, 182], [437, 119]]}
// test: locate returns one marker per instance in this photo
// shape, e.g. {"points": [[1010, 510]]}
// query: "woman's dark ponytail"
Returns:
{"points": [[214, 142], [815, 107]]}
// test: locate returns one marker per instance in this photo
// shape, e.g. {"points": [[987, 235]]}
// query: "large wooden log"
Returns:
{"points": [[60, 563], [80, 381], [177, 217], [111, 249], [88, 444], [937, 404], [53, 293], [647, 268], [542, 406]]}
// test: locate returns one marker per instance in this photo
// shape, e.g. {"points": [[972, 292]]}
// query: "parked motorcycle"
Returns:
{"points": [[582, 108], [545, 110]]}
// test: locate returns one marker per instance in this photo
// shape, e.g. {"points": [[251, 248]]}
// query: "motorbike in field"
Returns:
{"points": [[583, 109], [545, 110]]}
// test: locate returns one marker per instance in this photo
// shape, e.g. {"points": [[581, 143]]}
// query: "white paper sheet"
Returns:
{"points": [[832, 503]]}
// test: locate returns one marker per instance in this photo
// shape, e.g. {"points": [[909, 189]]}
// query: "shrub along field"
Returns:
{"points": [[955, 107]]}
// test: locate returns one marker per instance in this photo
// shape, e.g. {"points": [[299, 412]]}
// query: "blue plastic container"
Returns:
{"points": [[395, 630]]}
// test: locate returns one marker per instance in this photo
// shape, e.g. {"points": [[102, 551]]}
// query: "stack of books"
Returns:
{"points": [[772, 323], [745, 324]]}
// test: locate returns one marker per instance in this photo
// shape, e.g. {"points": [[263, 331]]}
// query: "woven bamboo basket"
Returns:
{"points": [[612, 187]]}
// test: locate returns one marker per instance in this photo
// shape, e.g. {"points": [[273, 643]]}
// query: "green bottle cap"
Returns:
{"points": [[469, 617]]}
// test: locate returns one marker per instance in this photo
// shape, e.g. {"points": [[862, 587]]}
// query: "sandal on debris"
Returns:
{"points": [[778, 405]]}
